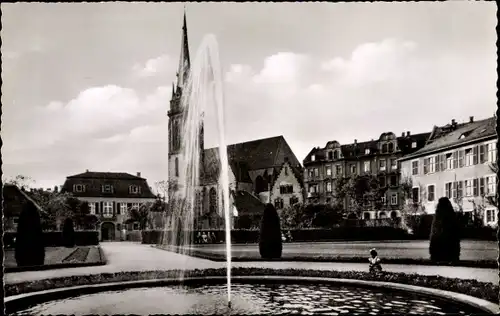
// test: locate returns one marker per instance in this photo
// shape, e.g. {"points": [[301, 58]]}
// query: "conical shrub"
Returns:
{"points": [[444, 243], [270, 244], [68, 233], [29, 247]]}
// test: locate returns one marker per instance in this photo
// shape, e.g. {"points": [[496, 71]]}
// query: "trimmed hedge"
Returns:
{"points": [[55, 238], [486, 291], [337, 233]]}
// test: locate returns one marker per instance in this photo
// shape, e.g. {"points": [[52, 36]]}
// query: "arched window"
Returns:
{"points": [[382, 215], [204, 199], [394, 214], [384, 148], [278, 203], [336, 154], [176, 166], [366, 216], [199, 203], [391, 147], [213, 200]]}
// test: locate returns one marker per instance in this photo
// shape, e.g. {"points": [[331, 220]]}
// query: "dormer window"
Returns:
{"points": [[313, 157], [414, 145], [462, 136], [330, 155], [107, 188], [78, 188], [134, 189], [336, 154], [391, 147], [367, 151]]}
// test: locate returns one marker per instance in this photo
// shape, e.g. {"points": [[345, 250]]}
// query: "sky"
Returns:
{"points": [[88, 85]]}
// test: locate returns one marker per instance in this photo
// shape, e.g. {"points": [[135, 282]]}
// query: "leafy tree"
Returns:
{"points": [[363, 191], [162, 188], [445, 233], [270, 243], [22, 182], [141, 215], [29, 247], [68, 233], [413, 206]]}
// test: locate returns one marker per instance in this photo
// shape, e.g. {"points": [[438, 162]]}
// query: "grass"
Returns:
{"points": [[486, 291], [305, 257], [59, 257]]}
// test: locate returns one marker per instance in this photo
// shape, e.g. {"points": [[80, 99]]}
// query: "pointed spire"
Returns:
{"points": [[184, 61], [173, 89]]}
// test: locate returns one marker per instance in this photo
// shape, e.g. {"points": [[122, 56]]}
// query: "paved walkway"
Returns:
{"points": [[128, 256]]}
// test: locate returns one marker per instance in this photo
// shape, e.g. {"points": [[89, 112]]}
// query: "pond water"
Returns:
{"points": [[251, 299]]}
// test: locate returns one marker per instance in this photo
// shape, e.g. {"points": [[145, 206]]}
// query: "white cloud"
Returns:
{"points": [[281, 68], [153, 66]]}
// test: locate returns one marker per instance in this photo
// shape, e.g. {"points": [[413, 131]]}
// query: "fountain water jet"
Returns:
{"points": [[203, 88]]}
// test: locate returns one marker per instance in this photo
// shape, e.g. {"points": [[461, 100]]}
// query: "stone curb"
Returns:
{"points": [[16, 302]]}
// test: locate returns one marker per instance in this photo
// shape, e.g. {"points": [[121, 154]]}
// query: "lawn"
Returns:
{"points": [[61, 257]]}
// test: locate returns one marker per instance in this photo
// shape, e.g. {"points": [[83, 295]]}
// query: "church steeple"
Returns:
{"points": [[184, 61]]}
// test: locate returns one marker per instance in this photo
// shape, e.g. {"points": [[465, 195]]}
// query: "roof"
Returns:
{"points": [[247, 203], [120, 182], [297, 172], [14, 199], [358, 150], [447, 136], [252, 155]]}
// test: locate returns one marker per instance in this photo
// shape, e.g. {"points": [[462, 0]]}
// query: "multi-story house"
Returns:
{"points": [[458, 162], [110, 195], [376, 157], [287, 187]]}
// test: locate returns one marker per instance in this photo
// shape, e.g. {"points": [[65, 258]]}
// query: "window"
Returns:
{"points": [[330, 155], [338, 170], [384, 148], [454, 190], [414, 145], [311, 173], [394, 181], [278, 203], [460, 189], [107, 210], [383, 200], [353, 169], [286, 171], [469, 157], [461, 158], [78, 188], [313, 188], [328, 170], [426, 165], [294, 200], [431, 193], [492, 152], [382, 182], [468, 188], [213, 200], [391, 147], [432, 164], [367, 166], [490, 216], [107, 188], [123, 208], [448, 187], [449, 161], [336, 155], [491, 185], [136, 206], [176, 166], [313, 157], [394, 164], [136, 226], [286, 189], [92, 208], [415, 194], [482, 153], [133, 189], [394, 199], [381, 164], [367, 151], [328, 187], [414, 167]]}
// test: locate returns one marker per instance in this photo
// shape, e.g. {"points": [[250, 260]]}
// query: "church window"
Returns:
{"points": [[176, 166], [213, 200]]}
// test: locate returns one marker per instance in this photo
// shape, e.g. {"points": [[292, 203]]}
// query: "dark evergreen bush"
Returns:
{"points": [[29, 244], [445, 233], [270, 244], [68, 233]]}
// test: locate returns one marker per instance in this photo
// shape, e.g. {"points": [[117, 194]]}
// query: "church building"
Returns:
{"points": [[260, 171]]}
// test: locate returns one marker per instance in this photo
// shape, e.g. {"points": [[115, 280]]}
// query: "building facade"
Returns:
{"points": [[323, 166], [458, 162], [110, 195], [253, 165]]}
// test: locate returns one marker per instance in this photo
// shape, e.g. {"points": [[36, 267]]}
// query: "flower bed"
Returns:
{"points": [[487, 291]]}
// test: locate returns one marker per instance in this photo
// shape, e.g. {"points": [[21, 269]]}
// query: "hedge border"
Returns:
{"points": [[474, 288], [103, 261], [484, 264]]}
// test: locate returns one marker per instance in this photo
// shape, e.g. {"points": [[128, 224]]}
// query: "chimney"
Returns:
{"points": [[453, 122], [355, 141], [139, 174], [403, 134], [471, 119], [86, 170], [408, 134]]}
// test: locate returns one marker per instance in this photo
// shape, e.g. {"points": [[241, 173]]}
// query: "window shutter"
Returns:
{"points": [[426, 165], [443, 162], [474, 153], [114, 207], [460, 189], [481, 186], [482, 153], [475, 187], [118, 210], [101, 207], [455, 160], [102, 188], [461, 160], [438, 163]]}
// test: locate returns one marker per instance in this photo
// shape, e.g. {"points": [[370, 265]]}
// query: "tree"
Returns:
{"points": [[140, 215], [68, 233], [162, 188], [444, 243], [22, 182], [413, 206], [29, 247], [270, 243], [363, 191]]}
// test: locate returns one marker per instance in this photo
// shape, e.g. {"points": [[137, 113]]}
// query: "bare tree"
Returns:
{"points": [[22, 182]]}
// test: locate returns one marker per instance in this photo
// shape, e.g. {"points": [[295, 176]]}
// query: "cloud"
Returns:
{"points": [[153, 66]]}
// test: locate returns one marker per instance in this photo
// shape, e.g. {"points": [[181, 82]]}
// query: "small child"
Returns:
{"points": [[374, 261]]}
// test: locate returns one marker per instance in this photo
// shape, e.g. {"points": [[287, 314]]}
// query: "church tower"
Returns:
{"points": [[176, 114]]}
